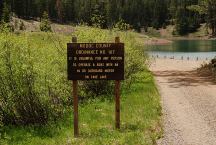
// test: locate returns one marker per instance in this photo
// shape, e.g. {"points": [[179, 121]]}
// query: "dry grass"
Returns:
{"points": [[34, 26]]}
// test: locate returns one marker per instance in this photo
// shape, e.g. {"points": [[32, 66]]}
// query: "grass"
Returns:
{"points": [[140, 105], [140, 121]]}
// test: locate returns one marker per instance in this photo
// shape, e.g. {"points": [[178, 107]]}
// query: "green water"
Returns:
{"points": [[203, 49], [187, 46]]}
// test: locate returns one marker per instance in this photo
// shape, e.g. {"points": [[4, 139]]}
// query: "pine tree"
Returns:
{"points": [[45, 23], [211, 16], [172, 10], [98, 17], [1, 7], [5, 13], [181, 21]]}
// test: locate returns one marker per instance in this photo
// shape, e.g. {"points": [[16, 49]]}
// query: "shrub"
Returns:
{"points": [[122, 25], [24, 98], [17, 87], [45, 23], [22, 26], [98, 21], [94, 89], [6, 27], [16, 24]]}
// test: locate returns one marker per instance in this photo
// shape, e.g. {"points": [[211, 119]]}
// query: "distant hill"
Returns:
{"points": [[34, 26]]}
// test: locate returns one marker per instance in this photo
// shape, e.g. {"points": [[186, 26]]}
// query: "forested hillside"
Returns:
{"points": [[187, 15]]}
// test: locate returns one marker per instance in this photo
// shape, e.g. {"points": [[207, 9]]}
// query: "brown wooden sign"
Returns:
{"points": [[95, 61]]}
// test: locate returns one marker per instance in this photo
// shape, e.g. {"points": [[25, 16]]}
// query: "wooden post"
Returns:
{"points": [[75, 102], [117, 97]]}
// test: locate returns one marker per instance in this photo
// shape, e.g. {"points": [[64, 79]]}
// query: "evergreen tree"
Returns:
{"points": [[159, 13], [185, 14], [172, 10], [5, 19], [6, 13], [211, 16], [1, 7], [45, 23], [181, 21], [98, 17]]}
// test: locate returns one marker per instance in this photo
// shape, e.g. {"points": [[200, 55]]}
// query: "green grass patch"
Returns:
{"points": [[140, 121]]}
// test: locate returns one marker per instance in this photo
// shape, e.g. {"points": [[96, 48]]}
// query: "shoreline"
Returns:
{"points": [[166, 41], [191, 38], [158, 41]]}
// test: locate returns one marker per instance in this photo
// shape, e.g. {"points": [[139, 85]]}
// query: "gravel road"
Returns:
{"points": [[188, 101]]}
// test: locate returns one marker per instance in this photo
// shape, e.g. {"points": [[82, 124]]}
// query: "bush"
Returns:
{"points": [[22, 26], [16, 24], [6, 27], [98, 21], [122, 25], [95, 89], [26, 96], [45, 23], [17, 88]]}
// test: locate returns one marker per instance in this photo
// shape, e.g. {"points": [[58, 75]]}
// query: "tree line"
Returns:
{"points": [[186, 15]]}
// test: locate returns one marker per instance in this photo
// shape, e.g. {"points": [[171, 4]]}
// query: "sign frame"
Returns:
{"points": [[116, 93], [95, 61]]}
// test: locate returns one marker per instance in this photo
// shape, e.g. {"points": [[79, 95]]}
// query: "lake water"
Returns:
{"points": [[201, 49]]}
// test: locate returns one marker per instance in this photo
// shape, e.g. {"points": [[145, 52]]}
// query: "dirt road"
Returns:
{"points": [[188, 101]]}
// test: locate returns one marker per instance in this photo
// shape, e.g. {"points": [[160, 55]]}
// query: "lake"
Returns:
{"points": [[201, 49]]}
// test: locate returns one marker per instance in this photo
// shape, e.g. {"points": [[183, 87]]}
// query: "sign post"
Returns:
{"points": [[117, 97], [95, 61], [75, 102]]}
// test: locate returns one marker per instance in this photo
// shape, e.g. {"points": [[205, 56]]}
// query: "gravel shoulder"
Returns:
{"points": [[188, 101]]}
